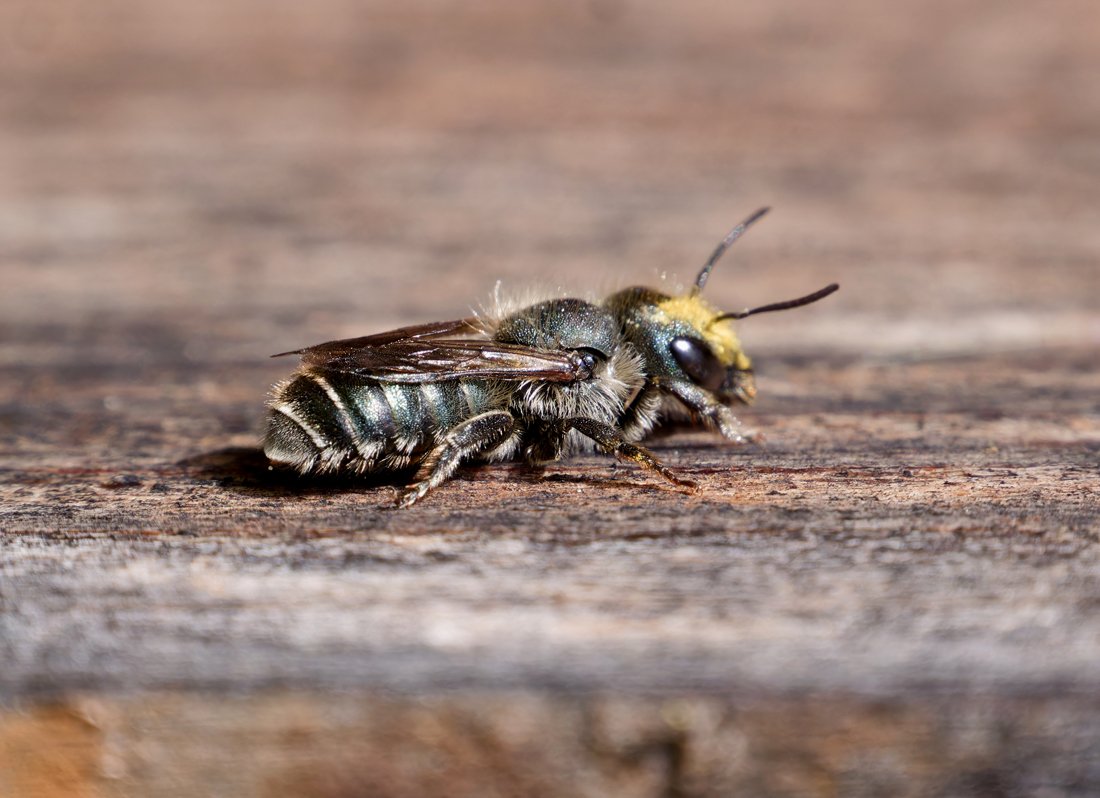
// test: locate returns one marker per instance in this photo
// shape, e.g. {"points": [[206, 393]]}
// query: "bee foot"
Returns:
{"points": [[677, 480], [740, 437], [412, 495]]}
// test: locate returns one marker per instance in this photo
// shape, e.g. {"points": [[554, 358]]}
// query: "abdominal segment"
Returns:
{"points": [[326, 421]]}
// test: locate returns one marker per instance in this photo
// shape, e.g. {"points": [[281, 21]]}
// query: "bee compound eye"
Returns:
{"points": [[698, 362]]}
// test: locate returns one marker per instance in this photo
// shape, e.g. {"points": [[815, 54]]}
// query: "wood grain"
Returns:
{"points": [[895, 594]]}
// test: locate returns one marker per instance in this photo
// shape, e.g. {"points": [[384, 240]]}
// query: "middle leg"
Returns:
{"points": [[614, 443]]}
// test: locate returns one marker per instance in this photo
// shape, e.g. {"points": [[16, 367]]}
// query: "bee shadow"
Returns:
{"points": [[246, 469]]}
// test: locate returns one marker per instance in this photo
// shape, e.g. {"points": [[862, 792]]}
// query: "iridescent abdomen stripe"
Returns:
{"points": [[445, 404], [329, 417], [307, 402], [369, 404], [407, 409]]}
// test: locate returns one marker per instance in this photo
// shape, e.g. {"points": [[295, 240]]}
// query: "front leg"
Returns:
{"points": [[613, 442], [473, 436], [706, 405]]}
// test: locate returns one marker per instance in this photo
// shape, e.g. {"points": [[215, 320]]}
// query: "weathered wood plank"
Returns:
{"points": [[895, 594], [521, 743]]}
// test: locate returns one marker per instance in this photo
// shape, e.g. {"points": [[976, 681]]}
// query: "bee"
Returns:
{"points": [[541, 382]]}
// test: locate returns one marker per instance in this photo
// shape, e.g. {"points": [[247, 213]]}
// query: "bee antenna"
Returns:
{"points": [[720, 250], [790, 303]]}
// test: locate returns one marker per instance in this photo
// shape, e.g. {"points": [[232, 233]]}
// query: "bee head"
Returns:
{"points": [[685, 338]]}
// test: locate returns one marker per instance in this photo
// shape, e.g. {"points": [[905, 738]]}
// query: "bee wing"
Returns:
{"points": [[333, 349], [418, 361]]}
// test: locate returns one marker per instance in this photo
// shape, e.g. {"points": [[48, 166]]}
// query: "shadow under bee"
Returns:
{"points": [[247, 469]]}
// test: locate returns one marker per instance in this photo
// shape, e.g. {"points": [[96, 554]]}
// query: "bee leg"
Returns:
{"points": [[706, 405], [613, 442], [545, 443], [472, 436], [642, 414]]}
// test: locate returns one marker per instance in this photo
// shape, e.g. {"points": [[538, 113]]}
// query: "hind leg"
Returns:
{"points": [[473, 436]]}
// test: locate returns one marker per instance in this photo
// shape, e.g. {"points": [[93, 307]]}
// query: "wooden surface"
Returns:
{"points": [[896, 595]]}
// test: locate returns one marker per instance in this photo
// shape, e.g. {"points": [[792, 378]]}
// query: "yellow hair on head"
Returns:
{"points": [[700, 316]]}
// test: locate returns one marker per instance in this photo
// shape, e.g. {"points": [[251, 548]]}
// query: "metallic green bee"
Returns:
{"points": [[541, 382]]}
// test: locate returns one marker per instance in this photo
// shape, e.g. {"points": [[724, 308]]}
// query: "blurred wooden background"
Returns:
{"points": [[897, 595]]}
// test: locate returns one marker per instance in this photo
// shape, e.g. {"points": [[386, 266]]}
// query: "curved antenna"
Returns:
{"points": [[731, 236], [790, 303]]}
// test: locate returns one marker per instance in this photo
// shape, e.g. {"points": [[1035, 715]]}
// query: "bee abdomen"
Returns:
{"points": [[330, 421]]}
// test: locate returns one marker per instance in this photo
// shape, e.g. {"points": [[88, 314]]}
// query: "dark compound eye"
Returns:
{"points": [[698, 362]]}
